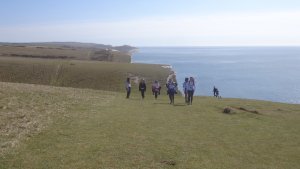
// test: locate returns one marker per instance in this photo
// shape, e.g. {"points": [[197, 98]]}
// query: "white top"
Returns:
{"points": [[127, 85]]}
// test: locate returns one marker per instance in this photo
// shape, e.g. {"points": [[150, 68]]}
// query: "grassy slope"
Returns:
{"points": [[53, 127], [101, 129], [78, 74], [55, 52]]}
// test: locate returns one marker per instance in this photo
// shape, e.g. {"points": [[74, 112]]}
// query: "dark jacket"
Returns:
{"points": [[142, 86]]}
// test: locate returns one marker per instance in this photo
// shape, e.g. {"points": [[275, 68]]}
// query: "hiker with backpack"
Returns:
{"points": [[156, 88], [171, 90], [215, 91], [142, 88], [128, 87], [184, 86], [190, 90]]}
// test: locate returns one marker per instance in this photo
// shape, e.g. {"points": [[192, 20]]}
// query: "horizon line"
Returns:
{"points": [[145, 46]]}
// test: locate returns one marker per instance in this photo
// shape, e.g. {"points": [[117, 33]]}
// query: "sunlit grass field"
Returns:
{"points": [[74, 51], [50, 127], [84, 121], [79, 74]]}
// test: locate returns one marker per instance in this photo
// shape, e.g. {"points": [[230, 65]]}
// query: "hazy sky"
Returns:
{"points": [[152, 22]]}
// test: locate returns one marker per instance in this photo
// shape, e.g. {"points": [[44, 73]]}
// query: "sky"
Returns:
{"points": [[153, 22]]}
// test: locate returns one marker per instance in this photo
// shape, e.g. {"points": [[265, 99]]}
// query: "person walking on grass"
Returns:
{"points": [[215, 91], [156, 88], [171, 86], [184, 86], [190, 90], [128, 87], [142, 88]]}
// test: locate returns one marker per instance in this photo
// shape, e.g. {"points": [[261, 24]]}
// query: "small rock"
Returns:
{"points": [[169, 162], [227, 110]]}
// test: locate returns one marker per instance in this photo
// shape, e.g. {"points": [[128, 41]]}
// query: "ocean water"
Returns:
{"points": [[263, 73]]}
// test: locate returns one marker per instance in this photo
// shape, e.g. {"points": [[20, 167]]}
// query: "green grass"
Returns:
{"points": [[101, 129], [64, 52], [78, 74], [65, 123]]}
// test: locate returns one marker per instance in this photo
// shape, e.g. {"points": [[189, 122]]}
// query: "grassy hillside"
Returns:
{"points": [[62, 124], [95, 46], [53, 127], [78, 74], [78, 51]]}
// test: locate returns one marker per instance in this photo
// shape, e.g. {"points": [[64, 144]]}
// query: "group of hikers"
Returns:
{"points": [[188, 88]]}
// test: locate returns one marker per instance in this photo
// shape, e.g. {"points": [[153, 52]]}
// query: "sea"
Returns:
{"points": [[261, 73]]}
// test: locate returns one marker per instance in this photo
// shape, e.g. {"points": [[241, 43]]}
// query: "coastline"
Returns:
{"points": [[232, 69], [172, 74], [148, 128]]}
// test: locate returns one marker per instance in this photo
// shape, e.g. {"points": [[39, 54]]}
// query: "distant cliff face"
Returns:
{"points": [[124, 48], [67, 50]]}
